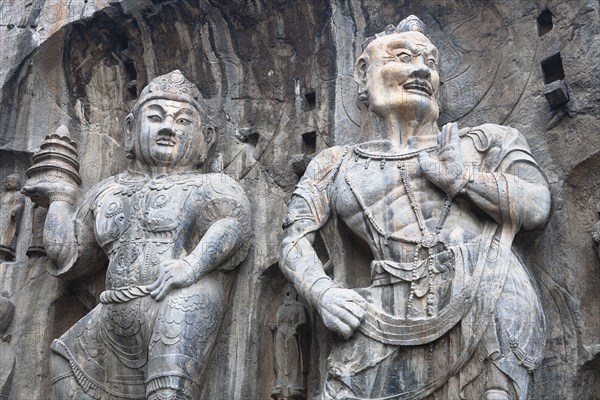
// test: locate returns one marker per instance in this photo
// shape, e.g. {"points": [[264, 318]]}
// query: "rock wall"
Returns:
{"points": [[278, 77]]}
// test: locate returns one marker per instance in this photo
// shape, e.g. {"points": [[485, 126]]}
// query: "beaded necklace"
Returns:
{"points": [[428, 239]]}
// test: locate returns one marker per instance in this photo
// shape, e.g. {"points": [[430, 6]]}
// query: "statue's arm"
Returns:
{"points": [[514, 187], [17, 209], [59, 233], [298, 259], [68, 232], [342, 309], [528, 191], [227, 239]]}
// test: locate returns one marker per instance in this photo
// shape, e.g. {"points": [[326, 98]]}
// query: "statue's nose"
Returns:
{"points": [[421, 71], [166, 130]]}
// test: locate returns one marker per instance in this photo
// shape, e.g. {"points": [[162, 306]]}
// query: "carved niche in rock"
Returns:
{"points": [[168, 232], [290, 346], [11, 211], [450, 310]]}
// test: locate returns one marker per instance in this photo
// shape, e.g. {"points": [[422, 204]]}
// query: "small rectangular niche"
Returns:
{"points": [[311, 100], [552, 69], [130, 70], [131, 76], [544, 22], [253, 138], [309, 142]]}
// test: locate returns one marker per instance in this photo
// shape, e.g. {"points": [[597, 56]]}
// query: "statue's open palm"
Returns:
{"points": [[445, 168]]}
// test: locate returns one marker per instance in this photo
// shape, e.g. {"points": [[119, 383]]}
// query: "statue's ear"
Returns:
{"points": [[209, 132], [360, 76], [128, 130], [360, 70]]}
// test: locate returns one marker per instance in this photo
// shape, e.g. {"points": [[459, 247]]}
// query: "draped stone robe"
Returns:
{"points": [[484, 307], [131, 344]]}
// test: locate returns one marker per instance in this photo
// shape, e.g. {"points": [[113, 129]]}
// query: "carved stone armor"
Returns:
{"points": [[141, 222], [168, 232]]}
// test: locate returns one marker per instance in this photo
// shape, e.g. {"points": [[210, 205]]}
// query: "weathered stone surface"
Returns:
{"points": [[83, 63], [168, 231], [556, 93], [12, 203], [7, 355], [449, 310]]}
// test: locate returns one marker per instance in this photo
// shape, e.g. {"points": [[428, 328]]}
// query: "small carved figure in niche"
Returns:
{"points": [[36, 243], [169, 232], [289, 349], [596, 231], [450, 311], [11, 211], [7, 356]]}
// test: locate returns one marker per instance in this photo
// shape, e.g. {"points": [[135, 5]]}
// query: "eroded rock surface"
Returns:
{"points": [[282, 74]]}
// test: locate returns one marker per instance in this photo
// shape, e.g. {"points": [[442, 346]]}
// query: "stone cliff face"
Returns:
{"points": [[279, 79]]}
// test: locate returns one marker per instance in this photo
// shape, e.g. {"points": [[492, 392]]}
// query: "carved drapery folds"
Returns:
{"points": [[450, 309], [168, 232]]}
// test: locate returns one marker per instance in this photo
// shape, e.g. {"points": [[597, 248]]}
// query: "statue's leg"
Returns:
{"points": [[184, 333], [64, 385], [498, 385]]}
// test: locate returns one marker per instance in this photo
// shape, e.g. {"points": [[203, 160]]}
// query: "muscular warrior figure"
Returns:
{"points": [[168, 232], [450, 311]]}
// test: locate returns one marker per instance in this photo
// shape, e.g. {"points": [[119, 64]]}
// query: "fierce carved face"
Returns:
{"points": [[399, 73]]}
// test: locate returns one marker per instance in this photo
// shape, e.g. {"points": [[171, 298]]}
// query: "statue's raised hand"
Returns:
{"points": [[174, 274], [342, 310], [445, 168], [43, 193]]}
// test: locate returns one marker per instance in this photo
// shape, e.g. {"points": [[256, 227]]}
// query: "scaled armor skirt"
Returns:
{"points": [[125, 350], [453, 366]]}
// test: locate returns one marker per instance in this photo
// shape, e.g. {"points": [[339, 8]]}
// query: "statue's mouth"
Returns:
{"points": [[166, 141], [420, 87]]}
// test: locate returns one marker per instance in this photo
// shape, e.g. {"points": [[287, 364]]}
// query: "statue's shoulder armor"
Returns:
{"points": [[488, 136], [326, 163], [498, 146], [215, 186], [90, 198]]}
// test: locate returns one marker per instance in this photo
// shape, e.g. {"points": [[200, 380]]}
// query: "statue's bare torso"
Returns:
{"points": [[386, 198]]}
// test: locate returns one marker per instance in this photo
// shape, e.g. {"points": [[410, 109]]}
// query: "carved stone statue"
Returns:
{"points": [[168, 231], [36, 243], [289, 349], [11, 211], [450, 311]]}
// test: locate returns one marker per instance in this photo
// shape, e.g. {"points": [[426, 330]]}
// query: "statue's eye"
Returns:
{"points": [[183, 121], [404, 57], [155, 118], [431, 63]]}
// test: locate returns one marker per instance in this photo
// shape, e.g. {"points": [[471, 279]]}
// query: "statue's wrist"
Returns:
{"points": [[461, 185], [193, 270], [317, 290], [61, 196]]}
